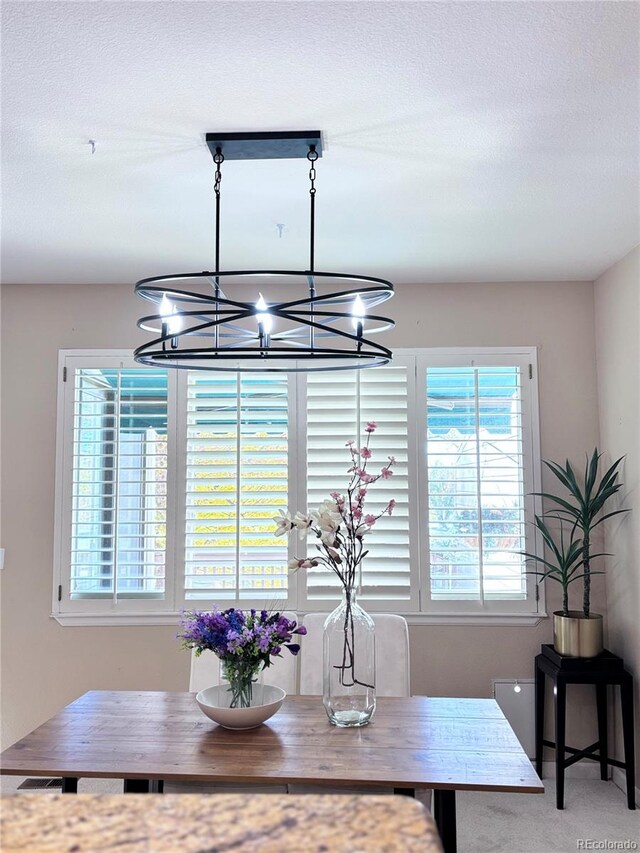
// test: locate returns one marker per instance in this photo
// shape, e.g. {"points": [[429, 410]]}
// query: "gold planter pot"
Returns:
{"points": [[577, 636]]}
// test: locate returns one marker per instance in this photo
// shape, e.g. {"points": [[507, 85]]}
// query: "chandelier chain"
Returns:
{"points": [[312, 156], [218, 159]]}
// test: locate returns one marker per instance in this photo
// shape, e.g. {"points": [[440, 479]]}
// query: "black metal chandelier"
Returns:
{"points": [[207, 327]]}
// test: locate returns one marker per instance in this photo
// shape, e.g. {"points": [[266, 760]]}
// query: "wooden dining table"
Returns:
{"points": [[413, 743]]}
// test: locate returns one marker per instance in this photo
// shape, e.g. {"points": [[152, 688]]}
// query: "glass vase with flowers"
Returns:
{"points": [[245, 643], [340, 525]]}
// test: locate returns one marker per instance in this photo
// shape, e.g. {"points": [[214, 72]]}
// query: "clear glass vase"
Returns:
{"points": [[244, 680], [349, 664]]}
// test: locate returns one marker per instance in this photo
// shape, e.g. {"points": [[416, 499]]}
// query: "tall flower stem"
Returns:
{"points": [[241, 677], [348, 666]]}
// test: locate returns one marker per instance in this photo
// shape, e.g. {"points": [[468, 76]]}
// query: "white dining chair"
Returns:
{"points": [[392, 678], [392, 655]]}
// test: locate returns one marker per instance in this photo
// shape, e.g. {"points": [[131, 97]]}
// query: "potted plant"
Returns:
{"points": [[565, 562], [579, 634]]}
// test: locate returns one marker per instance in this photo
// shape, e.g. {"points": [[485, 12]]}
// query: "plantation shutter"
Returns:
{"points": [[236, 481], [475, 486], [118, 483], [339, 405]]}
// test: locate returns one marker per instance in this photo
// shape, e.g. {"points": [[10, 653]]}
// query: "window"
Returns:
{"points": [[479, 461], [167, 483], [338, 407]]}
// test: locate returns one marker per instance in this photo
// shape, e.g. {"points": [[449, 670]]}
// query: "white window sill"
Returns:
{"points": [[87, 620]]}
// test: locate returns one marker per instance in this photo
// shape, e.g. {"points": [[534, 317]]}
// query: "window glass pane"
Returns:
{"points": [[237, 479], [475, 483], [119, 483]]}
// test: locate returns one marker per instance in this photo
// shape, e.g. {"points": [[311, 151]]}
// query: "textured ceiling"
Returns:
{"points": [[464, 141]]}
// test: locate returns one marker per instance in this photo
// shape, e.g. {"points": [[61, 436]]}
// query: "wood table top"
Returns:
{"points": [[417, 742], [241, 822]]}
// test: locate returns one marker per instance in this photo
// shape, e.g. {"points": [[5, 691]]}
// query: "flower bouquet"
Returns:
{"points": [[339, 525], [245, 643]]}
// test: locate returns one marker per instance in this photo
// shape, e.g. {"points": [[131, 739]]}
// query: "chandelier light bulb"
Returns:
{"points": [[170, 315], [358, 312], [265, 320]]}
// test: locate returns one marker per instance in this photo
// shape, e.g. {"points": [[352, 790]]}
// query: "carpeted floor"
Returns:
{"points": [[594, 812], [530, 823]]}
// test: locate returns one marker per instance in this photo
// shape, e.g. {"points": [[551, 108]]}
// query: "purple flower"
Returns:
{"points": [[237, 637]]}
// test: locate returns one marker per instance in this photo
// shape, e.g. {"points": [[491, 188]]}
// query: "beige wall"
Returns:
{"points": [[617, 316], [45, 665]]}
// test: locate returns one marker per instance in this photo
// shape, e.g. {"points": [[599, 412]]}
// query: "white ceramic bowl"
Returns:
{"points": [[214, 702]]}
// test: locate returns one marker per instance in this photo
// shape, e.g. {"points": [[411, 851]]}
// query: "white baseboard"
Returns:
{"points": [[620, 779]]}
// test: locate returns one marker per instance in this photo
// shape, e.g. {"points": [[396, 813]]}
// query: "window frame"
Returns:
{"points": [[533, 606], [148, 612], [95, 611]]}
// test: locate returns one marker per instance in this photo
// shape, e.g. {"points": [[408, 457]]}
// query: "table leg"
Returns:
{"points": [[540, 685], [626, 700], [601, 702], [560, 714], [444, 813], [69, 785], [143, 786], [406, 792]]}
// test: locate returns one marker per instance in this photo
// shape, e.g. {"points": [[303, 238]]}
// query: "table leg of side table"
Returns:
{"points": [[69, 785], [626, 697], [561, 710], [444, 813], [540, 685], [601, 702]]}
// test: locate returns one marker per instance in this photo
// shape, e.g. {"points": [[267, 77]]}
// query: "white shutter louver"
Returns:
{"points": [[475, 482], [119, 484], [338, 408], [236, 481]]}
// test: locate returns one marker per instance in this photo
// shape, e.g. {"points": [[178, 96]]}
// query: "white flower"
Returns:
{"points": [[328, 537], [284, 523], [303, 523], [361, 530], [327, 516], [326, 521], [329, 507]]}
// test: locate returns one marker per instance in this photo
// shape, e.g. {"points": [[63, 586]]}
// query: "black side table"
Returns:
{"points": [[605, 669]]}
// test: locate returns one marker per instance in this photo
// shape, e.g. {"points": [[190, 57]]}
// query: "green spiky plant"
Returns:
{"points": [[584, 507], [564, 559]]}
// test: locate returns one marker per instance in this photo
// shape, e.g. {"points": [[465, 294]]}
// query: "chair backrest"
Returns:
{"points": [[283, 672], [392, 655]]}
